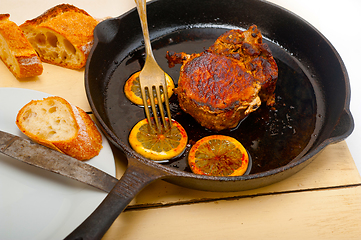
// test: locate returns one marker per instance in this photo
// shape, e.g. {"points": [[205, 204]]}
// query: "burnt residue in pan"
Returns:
{"points": [[274, 136]]}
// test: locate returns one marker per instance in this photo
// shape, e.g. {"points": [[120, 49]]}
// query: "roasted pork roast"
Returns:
{"points": [[222, 85]]}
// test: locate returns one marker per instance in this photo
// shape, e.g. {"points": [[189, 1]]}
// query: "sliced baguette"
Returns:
{"points": [[63, 35], [16, 51], [57, 124]]}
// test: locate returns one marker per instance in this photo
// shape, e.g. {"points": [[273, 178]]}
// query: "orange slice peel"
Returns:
{"points": [[218, 155], [158, 145]]}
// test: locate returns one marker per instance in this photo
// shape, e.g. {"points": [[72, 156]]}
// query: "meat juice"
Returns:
{"points": [[273, 136]]}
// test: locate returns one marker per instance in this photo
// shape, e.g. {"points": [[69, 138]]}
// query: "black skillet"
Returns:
{"points": [[312, 95]]}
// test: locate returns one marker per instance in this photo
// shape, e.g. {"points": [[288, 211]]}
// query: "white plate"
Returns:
{"points": [[35, 203]]}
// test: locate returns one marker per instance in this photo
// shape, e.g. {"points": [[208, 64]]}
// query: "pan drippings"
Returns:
{"points": [[273, 136]]}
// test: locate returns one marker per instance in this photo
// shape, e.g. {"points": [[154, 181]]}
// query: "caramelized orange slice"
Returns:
{"points": [[218, 155], [158, 145], [132, 89]]}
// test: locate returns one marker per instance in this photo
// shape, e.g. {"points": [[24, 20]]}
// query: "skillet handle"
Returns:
{"points": [[344, 127], [135, 178]]}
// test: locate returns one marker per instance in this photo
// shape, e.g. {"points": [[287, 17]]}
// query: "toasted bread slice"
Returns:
{"points": [[63, 35], [16, 51], [57, 124]]}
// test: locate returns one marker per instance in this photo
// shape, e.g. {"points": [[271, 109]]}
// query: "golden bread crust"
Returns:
{"points": [[63, 35], [54, 12], [16, 51], [88, 141], [84, 142]]}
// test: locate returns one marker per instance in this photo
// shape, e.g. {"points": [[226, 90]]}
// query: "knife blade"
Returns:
{"points": [[43, 157]]}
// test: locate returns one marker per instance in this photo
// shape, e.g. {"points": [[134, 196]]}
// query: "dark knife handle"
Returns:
{"points": [[135, 178]]}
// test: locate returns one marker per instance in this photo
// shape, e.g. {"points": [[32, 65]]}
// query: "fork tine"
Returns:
{"points": [[151, 98], [145, 104], [160, 104], [152, 104], [167, 105]]}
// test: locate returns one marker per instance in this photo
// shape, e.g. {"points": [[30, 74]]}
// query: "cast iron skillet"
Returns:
{"points": [[312, 103]]}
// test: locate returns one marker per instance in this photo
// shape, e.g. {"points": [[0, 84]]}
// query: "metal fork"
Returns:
{"points": [[152, 76]]}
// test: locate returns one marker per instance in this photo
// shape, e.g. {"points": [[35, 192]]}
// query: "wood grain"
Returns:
{"points": [[317, 214]]}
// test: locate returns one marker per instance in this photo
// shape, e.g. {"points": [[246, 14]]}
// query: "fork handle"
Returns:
{"points": [[142, 11]]}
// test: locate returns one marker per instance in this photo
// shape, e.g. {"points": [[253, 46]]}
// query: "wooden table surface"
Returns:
{"points": [[323, 201]]}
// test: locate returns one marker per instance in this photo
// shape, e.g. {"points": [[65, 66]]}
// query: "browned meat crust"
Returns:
{"points": [[247, 47], [222, 85], [213, 94]]}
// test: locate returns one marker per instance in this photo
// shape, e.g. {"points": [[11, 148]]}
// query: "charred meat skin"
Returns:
{"points": [[248, 47], [212, 94], [222, 85]]}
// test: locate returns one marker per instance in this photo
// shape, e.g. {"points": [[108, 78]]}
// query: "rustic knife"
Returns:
{"points": [[37, 155]]}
